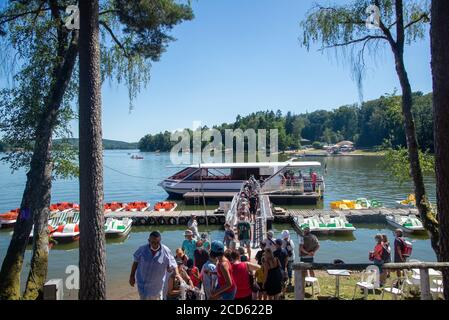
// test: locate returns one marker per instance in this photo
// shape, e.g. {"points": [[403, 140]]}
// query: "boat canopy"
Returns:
{"points": [[231, 165]]}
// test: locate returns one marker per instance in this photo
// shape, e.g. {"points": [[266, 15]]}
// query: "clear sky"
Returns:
{"points": [[241, 56]]}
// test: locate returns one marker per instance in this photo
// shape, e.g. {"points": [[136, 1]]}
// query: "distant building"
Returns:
{"points": [[345, 144]]}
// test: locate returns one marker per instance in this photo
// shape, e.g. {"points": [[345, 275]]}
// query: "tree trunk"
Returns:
{"points": [[440, 71], [39, 261], [422, 202], [36, 197], [12, 264], [92, 243]]}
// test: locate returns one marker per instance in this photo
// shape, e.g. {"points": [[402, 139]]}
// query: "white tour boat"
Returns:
{"points": [[297, 179]]}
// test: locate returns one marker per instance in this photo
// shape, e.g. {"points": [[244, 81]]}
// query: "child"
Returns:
{"points": [[243, 256], [181, 256], [260, 279], [229, 237], [193, 273]]}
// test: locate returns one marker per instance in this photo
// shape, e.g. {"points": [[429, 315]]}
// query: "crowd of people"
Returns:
{"points": [[215, 270], [219, 270]]}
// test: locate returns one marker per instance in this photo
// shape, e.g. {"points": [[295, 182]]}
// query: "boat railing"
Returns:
{"points": [[423, 267], [261, 223], [232, 214]]}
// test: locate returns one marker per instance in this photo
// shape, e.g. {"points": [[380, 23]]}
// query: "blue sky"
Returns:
{"points": [[241, 56]]}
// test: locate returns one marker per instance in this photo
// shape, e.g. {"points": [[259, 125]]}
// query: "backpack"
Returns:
{"points": [[386, 256], [407, 248], [289, 249]]}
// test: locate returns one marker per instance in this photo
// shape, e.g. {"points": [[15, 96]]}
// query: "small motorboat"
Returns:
{"points": [[410, 223], [69, 230], [8, 219], [409, 203], [337, 224], [165, 206], [314, 223], [115, 228], [134, 157], [114, 207], [137, 206]]}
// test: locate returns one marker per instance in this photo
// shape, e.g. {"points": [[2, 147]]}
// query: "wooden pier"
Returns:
{"points": [[181, 217]]}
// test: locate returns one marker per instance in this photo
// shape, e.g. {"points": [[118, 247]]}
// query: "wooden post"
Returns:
{"points": [[299, 285], [425, 284]]}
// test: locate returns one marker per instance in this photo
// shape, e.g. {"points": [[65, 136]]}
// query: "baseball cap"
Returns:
{"points": [[217, 247]]}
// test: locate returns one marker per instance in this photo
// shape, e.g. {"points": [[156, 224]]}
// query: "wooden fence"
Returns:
{"points": [[422, 266]]}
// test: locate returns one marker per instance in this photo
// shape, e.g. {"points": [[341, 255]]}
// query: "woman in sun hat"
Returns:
{"points": [[226, 288], [189, 244]]}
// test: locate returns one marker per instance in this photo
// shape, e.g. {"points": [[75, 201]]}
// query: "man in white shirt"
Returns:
{"points": [[193, 226], [289, 245]]}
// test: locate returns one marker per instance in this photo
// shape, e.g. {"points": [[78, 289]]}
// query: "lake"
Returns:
{"points": [[126, 179]]}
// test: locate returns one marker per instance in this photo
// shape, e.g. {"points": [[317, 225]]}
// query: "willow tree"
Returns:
{"points": [[362, 29], [32, 112], [132, 36], [440, 72]]}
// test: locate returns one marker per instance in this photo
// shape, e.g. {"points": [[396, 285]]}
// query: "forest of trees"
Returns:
{"points": [[369, 125]]}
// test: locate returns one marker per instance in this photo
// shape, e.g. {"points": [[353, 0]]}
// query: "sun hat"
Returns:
{"points": [[188, 233], [217, 247], [270, 233], [285, 234]]}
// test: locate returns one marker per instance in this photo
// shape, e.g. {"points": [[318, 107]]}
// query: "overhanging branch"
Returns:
{"points": [[364, 39], [116, 40]]}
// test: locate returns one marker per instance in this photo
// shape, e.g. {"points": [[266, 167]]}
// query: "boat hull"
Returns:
{"points": [[5, 224], [66, 237]]}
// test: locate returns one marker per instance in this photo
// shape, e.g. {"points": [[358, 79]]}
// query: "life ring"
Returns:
{"points": [[151, 221], [182, 221], [201, 220], [212, 220], [161, 221], [172, 221]]}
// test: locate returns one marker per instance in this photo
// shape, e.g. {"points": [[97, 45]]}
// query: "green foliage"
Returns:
{"points": [[397, 164], [317, 145], [343, 28], [133, 35], [139, 34], [107, 144], [367, 125]]}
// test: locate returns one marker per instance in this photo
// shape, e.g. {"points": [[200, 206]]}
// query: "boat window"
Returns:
{"points": [[183, 174], [211, 174], [245, 173]]}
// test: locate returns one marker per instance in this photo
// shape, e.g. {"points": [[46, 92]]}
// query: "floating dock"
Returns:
{"points": [[196, 198], [182, 217]]}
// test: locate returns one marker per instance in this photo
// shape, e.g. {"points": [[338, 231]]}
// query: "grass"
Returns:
{"points": [[347, 284]]}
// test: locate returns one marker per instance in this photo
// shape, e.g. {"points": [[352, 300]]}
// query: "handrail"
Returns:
{"points": [[362, 266], [423, 267]]}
